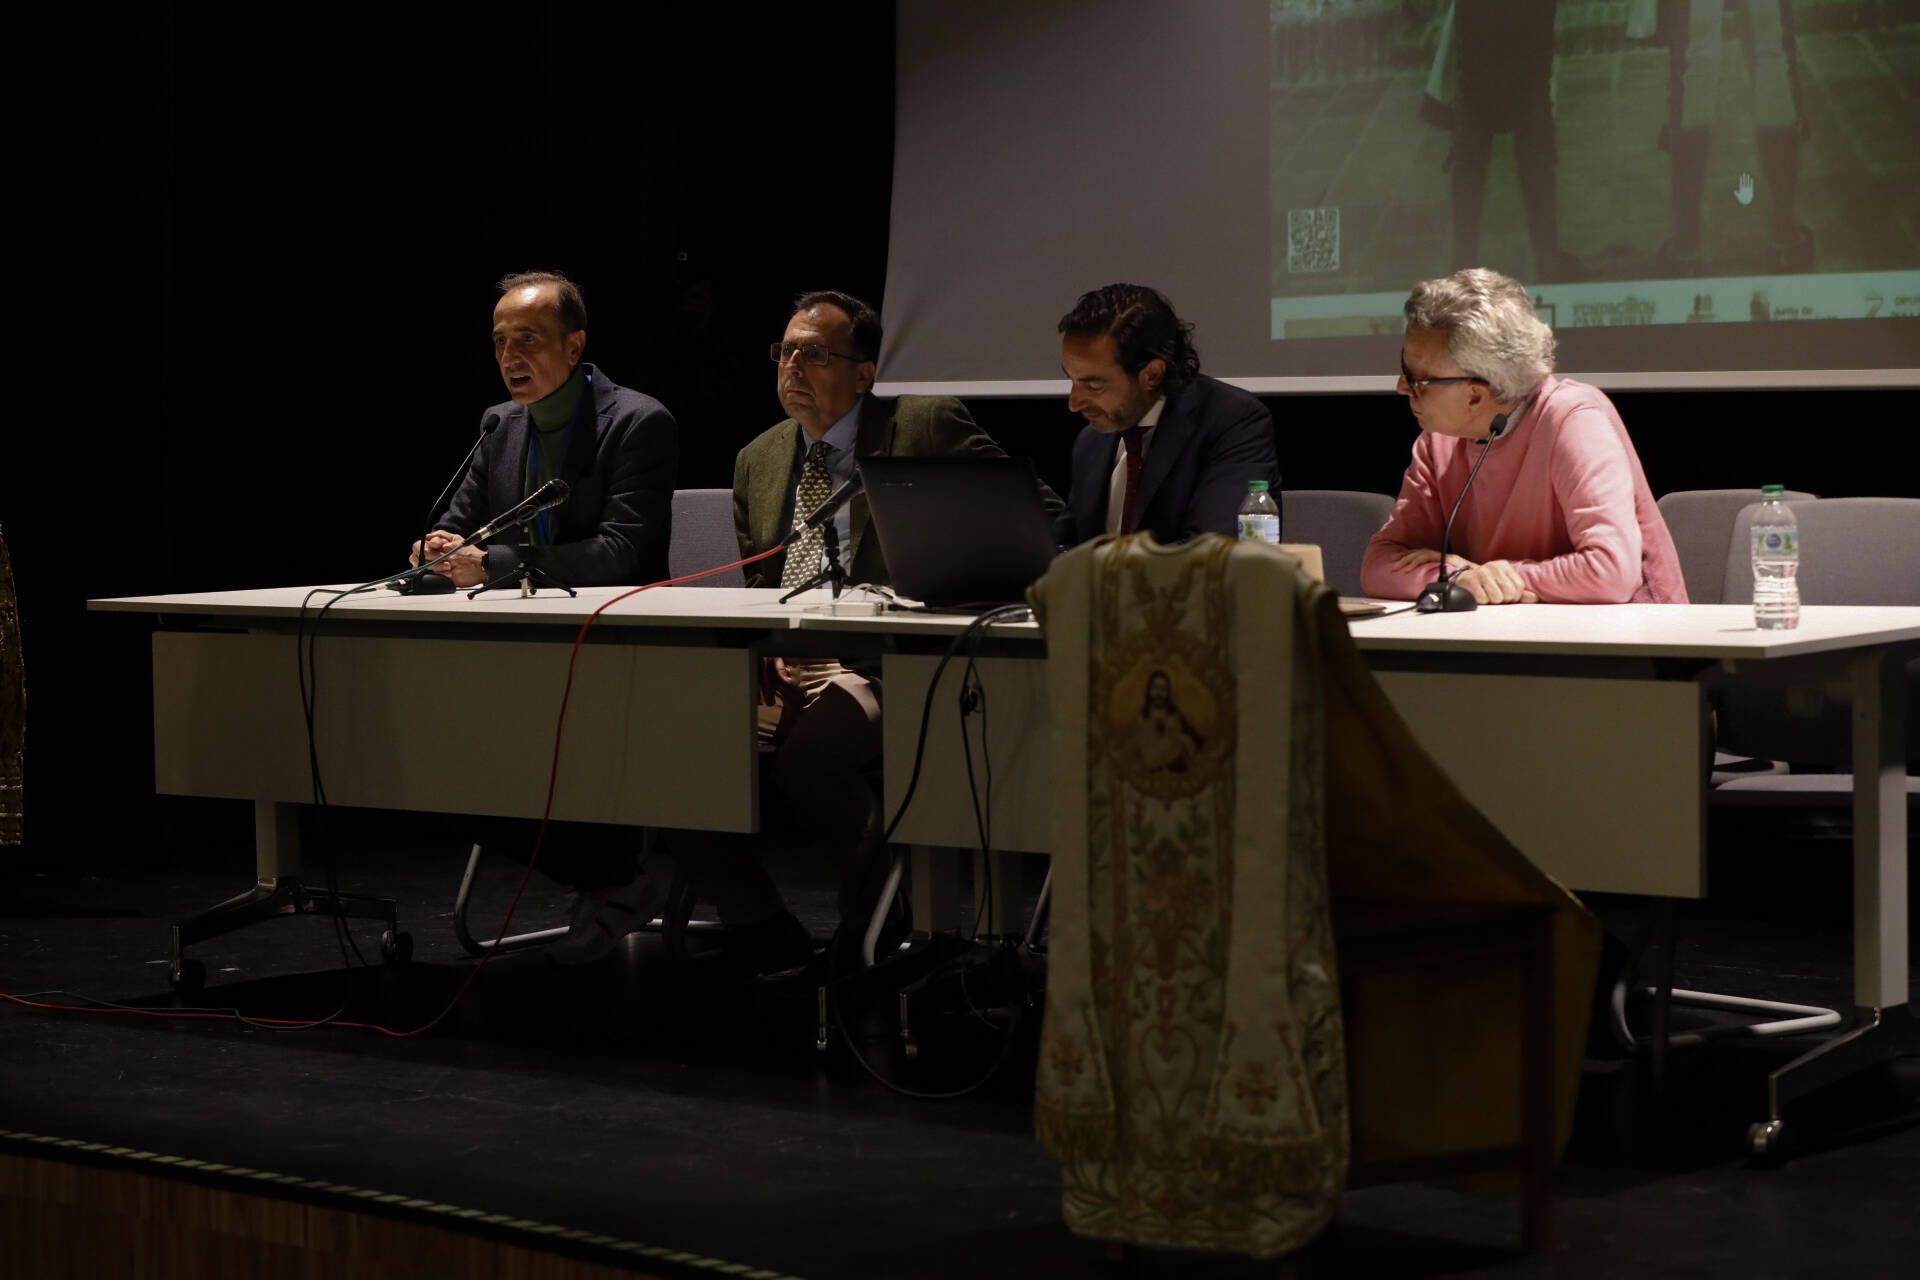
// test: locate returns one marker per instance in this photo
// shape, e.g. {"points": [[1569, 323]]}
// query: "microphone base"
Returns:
{"points": [[424, 584], [1445, 597]]}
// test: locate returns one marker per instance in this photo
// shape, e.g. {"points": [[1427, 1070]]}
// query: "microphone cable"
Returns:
{"points": [[1442, 586], [487, 427], [971, 636], [306, 647], [1446, 535], [194, 1013]]}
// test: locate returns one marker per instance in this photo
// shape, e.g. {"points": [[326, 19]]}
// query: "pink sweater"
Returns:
{"points": [[1561, 495]]}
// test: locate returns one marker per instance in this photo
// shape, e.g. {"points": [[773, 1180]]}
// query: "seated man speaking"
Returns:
{"points": [[616, 449], [1166, 450]]}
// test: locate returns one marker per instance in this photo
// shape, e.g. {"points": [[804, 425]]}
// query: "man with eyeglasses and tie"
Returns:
{"points": [[822, 719], [1561, 511]]}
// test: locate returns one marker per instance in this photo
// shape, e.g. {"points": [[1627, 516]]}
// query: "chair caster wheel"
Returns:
{"points": [[188, 977], [1768, 1141], [396, 948]]}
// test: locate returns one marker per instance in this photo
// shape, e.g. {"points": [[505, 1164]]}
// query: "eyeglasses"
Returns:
{"points": [[1417, 385], [812, 353]]}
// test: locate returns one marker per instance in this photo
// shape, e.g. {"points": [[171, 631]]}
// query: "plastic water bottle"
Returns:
{"points": [[1259, 517], [1776, 561]]}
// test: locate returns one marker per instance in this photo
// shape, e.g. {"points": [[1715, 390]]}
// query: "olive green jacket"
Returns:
{"points": [[908, 426]]}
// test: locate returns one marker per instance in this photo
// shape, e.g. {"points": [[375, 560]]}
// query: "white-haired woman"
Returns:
{"points": [[1561, 511]]}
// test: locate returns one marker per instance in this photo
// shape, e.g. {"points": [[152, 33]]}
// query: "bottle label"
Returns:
{"points": [[1260, 528], [1776, 543]]}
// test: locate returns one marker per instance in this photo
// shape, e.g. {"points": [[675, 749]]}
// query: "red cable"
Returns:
{"points": [[553, 779]]}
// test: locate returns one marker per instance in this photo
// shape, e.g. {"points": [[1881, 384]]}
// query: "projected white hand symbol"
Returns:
{"points": [[1743, 189]]}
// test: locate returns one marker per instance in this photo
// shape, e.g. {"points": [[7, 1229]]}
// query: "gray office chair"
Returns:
{"points": [[703, 538], [1340, 522], [1854, 551], [1701, 522]]}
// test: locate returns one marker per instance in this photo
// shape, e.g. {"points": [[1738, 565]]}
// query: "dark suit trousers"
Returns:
{"points": [[825, 750]]}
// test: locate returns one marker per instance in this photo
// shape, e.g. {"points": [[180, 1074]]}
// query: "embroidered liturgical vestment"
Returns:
{"points": [[1191, 1075], [1230, 778]]}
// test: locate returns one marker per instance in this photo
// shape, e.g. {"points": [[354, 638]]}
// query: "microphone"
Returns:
{"points": [[545, 498], [831, 507], [429, 583], [1443, 594]]}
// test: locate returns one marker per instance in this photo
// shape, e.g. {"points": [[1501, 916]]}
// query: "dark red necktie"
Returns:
{"points": [[1131, 439]]}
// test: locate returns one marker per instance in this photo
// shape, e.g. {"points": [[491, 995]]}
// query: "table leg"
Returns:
{"points": [[277, 891], [1883, 1025], [936, 889], [276, 840], [1879, 831]]}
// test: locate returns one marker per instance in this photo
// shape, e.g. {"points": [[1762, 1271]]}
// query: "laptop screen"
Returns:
{"points": [[959, 531]]}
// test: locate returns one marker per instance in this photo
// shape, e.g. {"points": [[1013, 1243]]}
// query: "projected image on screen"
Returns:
{"points": [[1635, 161]]}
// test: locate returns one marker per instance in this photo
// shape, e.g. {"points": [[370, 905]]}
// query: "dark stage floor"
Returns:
{"points": [[672, 1105]]}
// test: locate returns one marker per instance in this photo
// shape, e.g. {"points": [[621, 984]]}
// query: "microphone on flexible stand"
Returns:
{"points": [[522, 513], [1443, 594], [839, 498], [429, 583], [832, 573]]}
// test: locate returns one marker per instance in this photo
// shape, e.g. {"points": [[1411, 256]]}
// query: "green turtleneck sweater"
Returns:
{"points": [[550, 418]]}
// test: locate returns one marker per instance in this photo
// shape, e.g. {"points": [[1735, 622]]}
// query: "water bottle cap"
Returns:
{"points": [[1256, 486], [1772, 488]]}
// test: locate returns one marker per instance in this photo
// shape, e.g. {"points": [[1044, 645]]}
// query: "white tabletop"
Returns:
{"points": [[1723, 632], [911, 622], [708, 607], [1622, 630]]}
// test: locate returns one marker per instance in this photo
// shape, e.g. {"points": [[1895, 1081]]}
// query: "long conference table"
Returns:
{"points": [[1581, 731]]}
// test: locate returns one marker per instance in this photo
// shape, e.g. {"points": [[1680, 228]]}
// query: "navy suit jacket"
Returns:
{"points": [[1211, 439], [614, 526]]}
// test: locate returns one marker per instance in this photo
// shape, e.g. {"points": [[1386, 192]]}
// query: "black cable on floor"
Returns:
{"points": [[970, 636]]}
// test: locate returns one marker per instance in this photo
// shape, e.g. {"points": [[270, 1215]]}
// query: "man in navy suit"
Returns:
{"points": [[1166, 450], [616, 449]]}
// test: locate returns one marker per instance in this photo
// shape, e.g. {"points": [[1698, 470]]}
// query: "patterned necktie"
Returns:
{"points": [[1131, 439], [804, 549]]}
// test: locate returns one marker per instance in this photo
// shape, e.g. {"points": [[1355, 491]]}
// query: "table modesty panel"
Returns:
{"points": [[1016, 734], [656, 735], [1599, 781], [677, 608]]}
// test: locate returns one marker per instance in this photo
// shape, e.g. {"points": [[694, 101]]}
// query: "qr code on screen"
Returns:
{"points": [[1313, 240]]}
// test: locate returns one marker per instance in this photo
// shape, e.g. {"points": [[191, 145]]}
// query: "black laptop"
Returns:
{"points": [[959, 533]]}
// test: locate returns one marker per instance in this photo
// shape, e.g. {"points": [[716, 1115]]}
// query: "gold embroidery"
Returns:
{"points": [[1198, 1136]]}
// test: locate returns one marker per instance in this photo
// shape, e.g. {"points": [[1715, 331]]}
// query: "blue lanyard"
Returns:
{"points": [[543, 523]]}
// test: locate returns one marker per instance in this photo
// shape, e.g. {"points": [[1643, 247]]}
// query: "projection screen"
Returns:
{"points": [[1699, 193]]}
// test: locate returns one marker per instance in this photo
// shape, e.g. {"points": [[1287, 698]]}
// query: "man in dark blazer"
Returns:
{"points": [[616, 449], [1165, 450], [821, 718]]}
